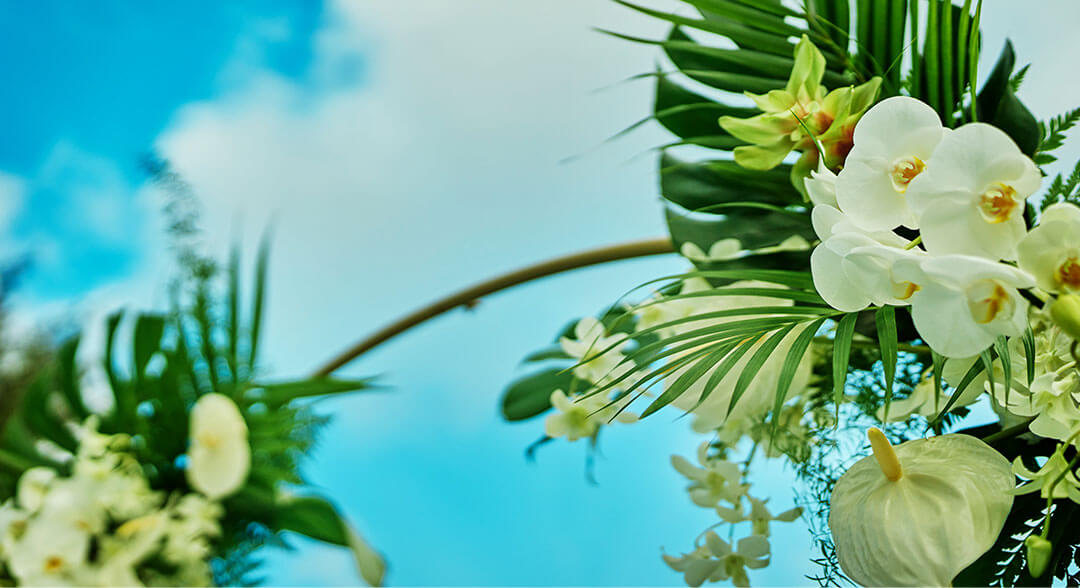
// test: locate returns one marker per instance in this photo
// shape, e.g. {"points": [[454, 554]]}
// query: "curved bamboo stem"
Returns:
{"points": [[469, 296]]}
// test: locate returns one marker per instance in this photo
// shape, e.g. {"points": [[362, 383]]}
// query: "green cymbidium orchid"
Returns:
{"points": [[800, 114], [919, 513]]}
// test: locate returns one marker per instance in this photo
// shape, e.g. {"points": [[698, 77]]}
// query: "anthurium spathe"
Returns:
{"points": [[219, 456], [919, 513], [963, 303], [971, 198], [893, 142], [794, 116], [1051, 251]]}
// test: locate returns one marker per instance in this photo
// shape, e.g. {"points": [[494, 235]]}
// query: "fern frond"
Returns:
{"points": [[1052, 134], [1063, 189]]}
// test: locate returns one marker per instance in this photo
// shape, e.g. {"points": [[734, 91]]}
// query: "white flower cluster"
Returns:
{"points": [[103, 525], [965, 192], [716, 483]]}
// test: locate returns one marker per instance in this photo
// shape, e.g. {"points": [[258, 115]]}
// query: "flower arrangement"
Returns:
{"points": [[876, 252]]}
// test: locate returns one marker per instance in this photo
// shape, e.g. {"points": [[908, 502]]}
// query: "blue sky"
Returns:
{"points": [[404, 149]]}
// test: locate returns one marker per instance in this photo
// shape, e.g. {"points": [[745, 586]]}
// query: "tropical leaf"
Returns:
{"points": [[885, 319], [845, 332], [530, 395]]}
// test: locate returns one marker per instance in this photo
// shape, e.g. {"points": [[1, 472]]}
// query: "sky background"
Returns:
{"points": [[402, 150]]}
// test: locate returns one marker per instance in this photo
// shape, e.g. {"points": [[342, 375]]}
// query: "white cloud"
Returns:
{"points": [[12, 194]]}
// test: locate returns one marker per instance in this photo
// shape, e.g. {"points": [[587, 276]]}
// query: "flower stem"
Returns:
{"points": [[1012, 431], [469, 296]]}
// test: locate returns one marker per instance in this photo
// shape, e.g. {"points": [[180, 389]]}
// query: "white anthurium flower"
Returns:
{"points": [[894, 142], [582, 417], [962, 303], [853, 268], [50, 552], [971, 199], [33, 486], [715, 481], [1051, 251], [919, 513], [1056, 469], [219, 456], [603, 352]]}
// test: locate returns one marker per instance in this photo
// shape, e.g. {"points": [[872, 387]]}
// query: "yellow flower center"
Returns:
{"points": [[904, 170], [1068, 274], [988, 299], [998, 204], [53, 564], [905, 290], [209, 440]]}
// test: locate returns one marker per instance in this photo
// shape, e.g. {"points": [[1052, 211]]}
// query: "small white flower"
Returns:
{"points": [[219, 456], [963, 303], [716, 561], [722, 250], [1042, 481], [50, 552], [33, 486], [971, 199], [603, 352], [715, 481], [582, 418], [1051, 251], [894, 142]]}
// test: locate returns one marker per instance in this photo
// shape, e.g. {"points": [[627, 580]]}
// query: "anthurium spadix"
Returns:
{"points": [[1051, 251], [892, 145], [962, 304], [919, 513], [971, 198]]}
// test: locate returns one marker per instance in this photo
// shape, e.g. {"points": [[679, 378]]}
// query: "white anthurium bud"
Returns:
{"points": [[919, 513], [219, 456], [971, 199], [894, 142], [853, 268], [1051, 251], [963, 303]]}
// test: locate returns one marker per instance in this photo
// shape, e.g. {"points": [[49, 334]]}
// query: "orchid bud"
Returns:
{"points": [[1039, 550], [1066, 314], [919, 513]]}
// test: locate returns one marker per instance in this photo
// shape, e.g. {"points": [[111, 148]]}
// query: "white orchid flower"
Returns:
{"points": [[722, 250], [853, 268], [760, 516], [1051, 251], [583, 417], [603, 352], [821, 186], [219, 456], [715, 481], [33, 486], [1056, 469], [963, 303], [716, 561], [894, 142], [971, 198], [919, 513], [50, 552]]}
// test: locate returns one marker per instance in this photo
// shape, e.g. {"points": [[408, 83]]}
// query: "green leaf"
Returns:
{"points": [[939, 372], [976, 368], [123, 393], [281, 393], [233, 317], [753, 231], [68, 377], [261, 263], [845, 332], [1029, 354], [1001, 346], [790, 367], [149, 329], [530, 396], [741, 35], [753, 366], [698, 185], [885, 319], [999, 106], [687, 379], [317, 518]]}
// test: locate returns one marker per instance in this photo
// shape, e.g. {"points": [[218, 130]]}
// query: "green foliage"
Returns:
{"points": [[1052, 135], [1063, 189], [998, 105]]}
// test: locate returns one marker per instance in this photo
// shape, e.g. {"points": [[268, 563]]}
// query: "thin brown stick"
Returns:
{"points": [[469, 296]]}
